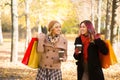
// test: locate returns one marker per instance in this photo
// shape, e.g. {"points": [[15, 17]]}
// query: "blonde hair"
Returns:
{"points": [[51, 24]]}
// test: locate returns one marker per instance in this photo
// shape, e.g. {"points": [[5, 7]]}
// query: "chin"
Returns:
{"points": [[82, 33]]}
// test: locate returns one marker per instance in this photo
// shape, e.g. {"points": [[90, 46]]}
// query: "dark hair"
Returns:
{"points": [[89, 26]]}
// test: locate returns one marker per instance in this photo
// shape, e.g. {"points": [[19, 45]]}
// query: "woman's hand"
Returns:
{"points": [[76, 51]]}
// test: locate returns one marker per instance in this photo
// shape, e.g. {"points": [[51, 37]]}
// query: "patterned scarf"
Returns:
{"points": [[85, 41], [52, 39]]}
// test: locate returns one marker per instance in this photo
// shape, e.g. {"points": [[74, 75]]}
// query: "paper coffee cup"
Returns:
{"points": [[79, 46], [61, 54]]}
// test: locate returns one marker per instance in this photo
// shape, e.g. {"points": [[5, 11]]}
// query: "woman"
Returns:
{"points": [[49, 46], [88, 63]]}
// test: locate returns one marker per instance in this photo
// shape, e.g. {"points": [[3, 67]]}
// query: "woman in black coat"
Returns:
{"points": [[88, 63]]}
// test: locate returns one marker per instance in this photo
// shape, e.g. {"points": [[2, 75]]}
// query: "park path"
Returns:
{"points": [[13, 70], [18, 71]]}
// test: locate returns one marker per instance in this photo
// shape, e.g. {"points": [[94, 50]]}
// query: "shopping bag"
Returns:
{"points": [[28, 51], [110, 58], [113, 58], [34, 57]]}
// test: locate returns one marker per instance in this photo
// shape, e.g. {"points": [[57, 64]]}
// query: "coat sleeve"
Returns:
{"points": [[41, 40], [66, 50], [101, 46], [78, 56]]}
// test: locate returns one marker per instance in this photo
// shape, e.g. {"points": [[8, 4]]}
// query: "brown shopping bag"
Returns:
{"points": [[110, 58]]}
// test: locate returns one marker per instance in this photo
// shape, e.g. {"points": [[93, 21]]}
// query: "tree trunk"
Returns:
{"points": [[108, 19], [1, 35], [99, 15], [92, 12], [113, 21], [28, 36], [14, 40]]}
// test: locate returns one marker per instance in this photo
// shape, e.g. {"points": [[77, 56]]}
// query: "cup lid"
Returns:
{"points": [[78, 45], [61, 51]]}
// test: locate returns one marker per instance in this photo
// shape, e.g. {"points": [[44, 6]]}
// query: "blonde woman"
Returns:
{"points": [[49, 46]]}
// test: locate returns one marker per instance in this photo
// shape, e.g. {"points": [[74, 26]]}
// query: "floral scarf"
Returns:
{"points": [[52, 39]]}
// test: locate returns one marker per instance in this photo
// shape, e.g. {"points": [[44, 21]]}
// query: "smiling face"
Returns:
{"points": [[56, 29], [83, 29]]}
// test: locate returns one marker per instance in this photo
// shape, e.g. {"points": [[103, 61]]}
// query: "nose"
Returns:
{"points": [[59, 28], [81, 28]]}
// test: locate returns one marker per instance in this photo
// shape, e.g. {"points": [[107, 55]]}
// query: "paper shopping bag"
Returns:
{"points": [[105, 60], [110, 58], [28, 51], [34, 57], [113, 59]]}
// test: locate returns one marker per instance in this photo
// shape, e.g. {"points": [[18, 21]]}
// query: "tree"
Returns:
{"points": [[28, 35], [99, 16], [92, 11], [1, 36], [3, 3], [113, 21], [14, 40], [108, 19]]}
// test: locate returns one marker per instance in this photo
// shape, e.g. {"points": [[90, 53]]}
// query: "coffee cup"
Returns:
{"points": [[61, 54], [79, 46]]}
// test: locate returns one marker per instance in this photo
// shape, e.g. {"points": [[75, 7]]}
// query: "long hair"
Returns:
{"points": [[90, 28]]}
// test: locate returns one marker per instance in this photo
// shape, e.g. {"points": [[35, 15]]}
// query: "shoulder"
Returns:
{"points": [[98, 40], [63, 38], [78, 40]]}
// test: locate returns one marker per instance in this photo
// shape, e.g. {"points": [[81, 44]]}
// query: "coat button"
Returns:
{"points": [[53, 50], [50, 65], [48, 50], [46, 56], [45, 65], [64, 42], [52, 58]]}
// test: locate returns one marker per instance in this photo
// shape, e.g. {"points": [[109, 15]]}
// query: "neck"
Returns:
{"points": [[54, 35], [85, 35]]}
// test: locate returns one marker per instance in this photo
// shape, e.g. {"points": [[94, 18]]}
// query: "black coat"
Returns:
{"points": [[94, 67]]}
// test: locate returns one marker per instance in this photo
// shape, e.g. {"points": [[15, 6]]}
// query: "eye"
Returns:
{"points": [[57, 26], [82, 26]]}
